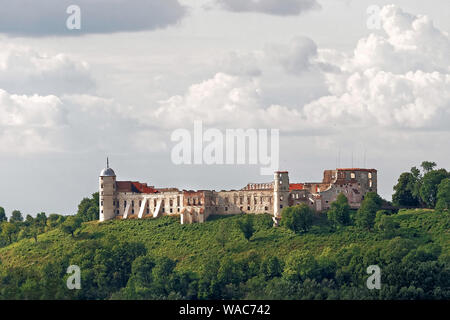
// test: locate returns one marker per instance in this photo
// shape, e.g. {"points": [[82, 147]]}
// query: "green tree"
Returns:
{"points": [[88, 208], [339, 212], [443, 195], [365, 216], [429, 187], [2, 215], [271, 267], [298, 218], [428, 166], [386, 224], [246, 227], [71, 224], [404, 190], [222, 235], [41, 219], [8, 230], [16, 216]]}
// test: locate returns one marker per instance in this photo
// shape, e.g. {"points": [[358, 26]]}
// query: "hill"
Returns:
{"points": [[159, 258]]}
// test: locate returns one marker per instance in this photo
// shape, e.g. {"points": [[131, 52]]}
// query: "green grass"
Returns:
{"points": [[193, 245]]}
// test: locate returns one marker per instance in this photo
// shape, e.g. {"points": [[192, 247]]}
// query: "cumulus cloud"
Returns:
{"points": [[48, 17], [26, 121], [26, 71], [409, 43], [273, 7], [399, 79]]}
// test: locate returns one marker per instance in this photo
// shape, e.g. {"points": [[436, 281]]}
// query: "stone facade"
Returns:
{"points": [[135, 200]]}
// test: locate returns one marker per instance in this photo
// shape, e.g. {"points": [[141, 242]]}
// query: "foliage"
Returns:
{"points": [[71, 224], [339, 212], [416, 189], [443, 195], [161, 259], [88, 209], [2, 215], [246, 227], [365, 217], [16, 216], [429, 186], [298, 218]]}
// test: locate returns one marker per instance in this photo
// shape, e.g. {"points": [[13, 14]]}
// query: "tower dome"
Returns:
{"points": [[107, 172]]}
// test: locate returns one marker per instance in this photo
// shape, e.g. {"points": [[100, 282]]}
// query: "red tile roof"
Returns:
{"points": [[295, 186]]}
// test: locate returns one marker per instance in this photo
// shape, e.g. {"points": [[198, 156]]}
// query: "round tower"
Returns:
{"points": [[107, 193], [280, 192]]}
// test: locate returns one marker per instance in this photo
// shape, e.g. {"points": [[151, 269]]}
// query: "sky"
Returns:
{"points": [[346, 83]]}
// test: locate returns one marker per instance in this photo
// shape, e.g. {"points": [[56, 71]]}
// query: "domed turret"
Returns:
{"points": [[107, 172], [107, 193]]}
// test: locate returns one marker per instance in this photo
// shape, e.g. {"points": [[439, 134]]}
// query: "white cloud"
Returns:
{"points": [[26, 121], [397, 79], [25, 71]]}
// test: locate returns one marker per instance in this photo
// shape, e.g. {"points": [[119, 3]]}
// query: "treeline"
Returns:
{"points": [[113, 269], [18, 227], [428, 187]]}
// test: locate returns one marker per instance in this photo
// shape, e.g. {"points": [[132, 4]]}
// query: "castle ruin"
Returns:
{"points": [[135, 200]]}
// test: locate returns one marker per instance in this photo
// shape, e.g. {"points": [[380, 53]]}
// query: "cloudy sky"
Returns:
{"points": [[321, 71]]}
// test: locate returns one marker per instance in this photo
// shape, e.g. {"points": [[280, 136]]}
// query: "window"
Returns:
{"points": [[352, 175], [281, 206], [370, 183], [248, 208], [266, 208], [369, 175], [226, 208]]}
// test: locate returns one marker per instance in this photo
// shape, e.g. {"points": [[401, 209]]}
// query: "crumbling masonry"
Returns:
{"points": [[135, 200]]}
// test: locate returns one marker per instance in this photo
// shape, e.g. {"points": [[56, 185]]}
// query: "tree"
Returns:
{"points": [[2, 215], [8, 230], [298, 218], [16, 216], [404, 194], [246, 227], [88, 208], [443, 195], [222, 235], [365, 216], [271, 267], [429, 187], [339, 212], [71, 224], [386, 224], [428, 166], [41, 219]]}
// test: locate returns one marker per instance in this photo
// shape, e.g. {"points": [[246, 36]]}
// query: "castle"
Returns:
{"points": [[129, 199]]}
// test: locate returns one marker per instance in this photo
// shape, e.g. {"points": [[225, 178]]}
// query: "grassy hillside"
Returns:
{"points": [[193, 247]]}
